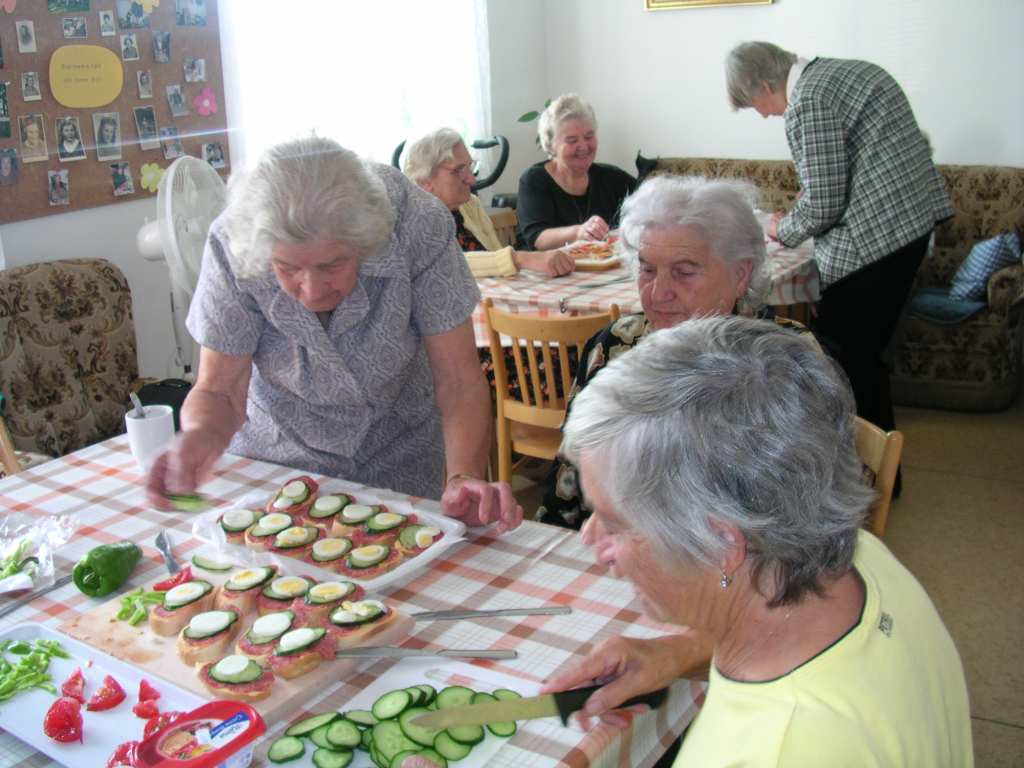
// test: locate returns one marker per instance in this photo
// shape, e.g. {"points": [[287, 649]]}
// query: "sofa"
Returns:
{"points": [[67, 353], [974, 365]]}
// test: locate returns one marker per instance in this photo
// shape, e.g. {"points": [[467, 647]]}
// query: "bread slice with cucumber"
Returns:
{"points": [[354, 622], [207, 636], [300, 651], [295, 497], [179, 605], [243, 586], [258, 641], [237, 677]]}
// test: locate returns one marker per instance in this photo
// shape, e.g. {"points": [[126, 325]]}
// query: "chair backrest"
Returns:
{"points": [[505, 224], [543, 387], [67, 353], [880, 452], [8, 457]]}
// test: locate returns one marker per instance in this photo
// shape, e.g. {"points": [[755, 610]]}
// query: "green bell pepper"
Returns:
{"points": [[106, 567]]}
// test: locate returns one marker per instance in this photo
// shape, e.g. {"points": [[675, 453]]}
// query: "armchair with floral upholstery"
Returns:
{"points": [[67, 353], [974, 365]]}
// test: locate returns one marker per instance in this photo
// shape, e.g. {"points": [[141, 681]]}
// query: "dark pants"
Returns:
{"points": [[856, 318]]}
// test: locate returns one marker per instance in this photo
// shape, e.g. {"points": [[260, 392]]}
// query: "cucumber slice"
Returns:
{"points": [[415, 698], [209, 563], [209, 623], [368, 556], [237, 520], [467, 734], [389, 739], [504, 694], [366, 740], [309, 724], [454, 696], [390, 705], [429, 692], [432, 756], [330, 758], [326, 506], [186, 593], [379, 761], [331, 548], [397, 760], [298, 640], [285, 749], [361, 717], [502, 729], [449, 748], [407, 538], [422, 735], [236, 669], [384, 521], [343, 735], [295, 491], [319, 737], [249, 578]]}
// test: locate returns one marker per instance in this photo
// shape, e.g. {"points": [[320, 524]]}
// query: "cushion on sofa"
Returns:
{"points": [[937, 306], [985, 259]]}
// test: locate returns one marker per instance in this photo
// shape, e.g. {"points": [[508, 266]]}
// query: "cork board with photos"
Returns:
{"points": [[156, 93]]}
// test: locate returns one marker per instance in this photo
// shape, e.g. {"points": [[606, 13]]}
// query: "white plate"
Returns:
{"points": [[612, 261], [438, 674], [22, 716], [206, 528]]}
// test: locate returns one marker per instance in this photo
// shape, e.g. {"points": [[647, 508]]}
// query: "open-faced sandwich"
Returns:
{"points": [[207, 636], [370, 561], [280, 593], [383, 528], [328, 552], [240, 591], [261, 534], [323, 598], [302, 650], [353, 622], [415, 538], [296, 541], [237, 677], [295, 498], [349, 521], [179, 605], [259, 640], [234, 523], [326, 508]]}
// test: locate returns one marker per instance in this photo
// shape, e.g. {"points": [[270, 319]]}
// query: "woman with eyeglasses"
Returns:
{"points": [[440, 163]]}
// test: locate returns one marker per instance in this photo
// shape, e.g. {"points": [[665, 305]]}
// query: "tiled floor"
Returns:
{"points": [[959, 526]]}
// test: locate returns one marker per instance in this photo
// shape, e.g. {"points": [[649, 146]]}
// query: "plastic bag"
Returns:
{"points": [[33, 541]]}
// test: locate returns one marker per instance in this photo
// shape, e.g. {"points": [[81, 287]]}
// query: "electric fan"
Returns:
{"points": [[191, 195]]}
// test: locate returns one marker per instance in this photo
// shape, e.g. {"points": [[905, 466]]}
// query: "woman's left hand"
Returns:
{"points": [[772, 230], [477, 502]]}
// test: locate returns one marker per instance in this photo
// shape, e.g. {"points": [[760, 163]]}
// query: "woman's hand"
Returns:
{"points": [[477, 502], [553, 263], [594, 228], [630, 667], [773, 225], [183, 467]]}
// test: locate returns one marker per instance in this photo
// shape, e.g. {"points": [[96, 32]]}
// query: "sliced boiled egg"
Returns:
{"points": [[327, 504], [387, 519], [273, 624], [297, 638], [425, 536], [356, 513], [331, 548], [185, 593], [282, 502], [231, 665], [247, 577], [275, 522], [368, 555], [290, 586], [210, 622], [331, 590], [369, 607], [239, 518], [294, 536], [295, 490]]}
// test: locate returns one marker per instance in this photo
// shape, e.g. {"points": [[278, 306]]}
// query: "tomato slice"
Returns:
{"points": [[125, 754], [157, 723], [146, 709], [109, 695], [185, 574], [63, 720], [74, 686], [147, 692]]}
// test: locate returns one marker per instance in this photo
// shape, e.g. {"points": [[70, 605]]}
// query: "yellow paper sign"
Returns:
{"points": [[85, 76]]}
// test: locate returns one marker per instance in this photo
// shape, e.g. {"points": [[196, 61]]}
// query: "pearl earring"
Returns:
{"points": [[725, 581]]}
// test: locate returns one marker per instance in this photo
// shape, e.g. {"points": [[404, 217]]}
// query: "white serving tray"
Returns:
{"points": [[22, 715], [438, 674], [205, 527]]}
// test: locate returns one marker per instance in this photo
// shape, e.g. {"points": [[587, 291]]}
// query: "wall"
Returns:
{"points": [[656, 78]]}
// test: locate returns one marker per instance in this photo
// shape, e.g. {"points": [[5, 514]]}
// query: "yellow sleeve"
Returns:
{"points": [[491, 263]]}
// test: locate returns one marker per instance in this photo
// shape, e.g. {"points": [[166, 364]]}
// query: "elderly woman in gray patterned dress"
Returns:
{"points": [[334, 315]]}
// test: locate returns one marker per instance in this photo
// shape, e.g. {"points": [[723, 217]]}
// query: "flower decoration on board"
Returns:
{"points": [[8, 5], [151, 175], [205, 103], [148, 5]]}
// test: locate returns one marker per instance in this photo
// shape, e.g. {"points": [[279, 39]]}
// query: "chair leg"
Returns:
{"points": [[7, 454], [504, 451]]}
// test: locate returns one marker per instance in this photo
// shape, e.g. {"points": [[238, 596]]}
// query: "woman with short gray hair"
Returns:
{"points": [[569, 197], [440, 163], [334, 313], [823, 649]]}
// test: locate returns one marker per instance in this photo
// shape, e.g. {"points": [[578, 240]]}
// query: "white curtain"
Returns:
{"points": [[368, 73]]}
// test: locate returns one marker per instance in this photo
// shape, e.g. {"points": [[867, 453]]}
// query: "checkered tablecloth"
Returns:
{"points": [[793, 277], [534, 565]]}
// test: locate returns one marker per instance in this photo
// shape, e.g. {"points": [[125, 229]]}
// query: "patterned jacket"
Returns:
{"points": [[869, 184]]}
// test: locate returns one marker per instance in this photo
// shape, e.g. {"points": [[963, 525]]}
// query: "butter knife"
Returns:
{"points": [[547, 610], [395, 652], [16, 604]]}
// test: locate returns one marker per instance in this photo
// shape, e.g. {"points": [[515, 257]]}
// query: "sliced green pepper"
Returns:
{"points": [[106, 567]]}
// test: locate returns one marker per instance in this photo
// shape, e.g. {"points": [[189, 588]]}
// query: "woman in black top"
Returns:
{"points": [[569, 197]]}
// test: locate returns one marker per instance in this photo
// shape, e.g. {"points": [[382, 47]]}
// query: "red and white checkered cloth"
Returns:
{"points": [[534, 565]]}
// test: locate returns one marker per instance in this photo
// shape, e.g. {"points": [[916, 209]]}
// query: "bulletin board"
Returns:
{"points": [[72, 176]]}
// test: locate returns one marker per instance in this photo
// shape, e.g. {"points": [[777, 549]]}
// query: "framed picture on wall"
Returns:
{"points": [[666, 5], [107, 127]]}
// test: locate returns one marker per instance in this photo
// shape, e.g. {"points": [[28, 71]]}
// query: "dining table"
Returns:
{"points": [[101, 488], [794, 285]]}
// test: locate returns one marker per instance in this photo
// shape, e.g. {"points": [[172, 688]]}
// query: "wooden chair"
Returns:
{"points": [[880, 453], [505, 224], [532, 425]]}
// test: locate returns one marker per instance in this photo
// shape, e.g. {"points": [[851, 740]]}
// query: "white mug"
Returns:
{"points": [[150, 435]]}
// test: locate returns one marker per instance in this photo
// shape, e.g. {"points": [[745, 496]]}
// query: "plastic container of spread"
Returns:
{"points": [[219, 734]]}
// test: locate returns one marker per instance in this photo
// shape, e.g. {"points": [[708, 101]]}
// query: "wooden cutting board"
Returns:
{"points": [[156, 655]]}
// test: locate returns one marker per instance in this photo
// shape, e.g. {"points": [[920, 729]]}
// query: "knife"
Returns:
{"points": [[561, 704], [395, 652], [16, 604], [547, 610]]}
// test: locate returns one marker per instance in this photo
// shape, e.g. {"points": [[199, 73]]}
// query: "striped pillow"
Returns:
{"points": [[985, 259]]}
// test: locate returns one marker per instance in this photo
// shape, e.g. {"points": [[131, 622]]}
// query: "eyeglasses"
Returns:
{"points": [[462, 169]]}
